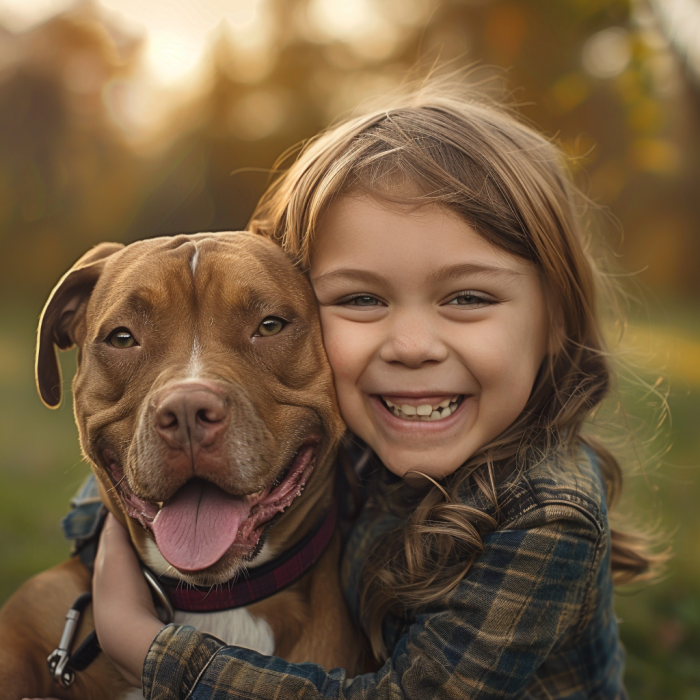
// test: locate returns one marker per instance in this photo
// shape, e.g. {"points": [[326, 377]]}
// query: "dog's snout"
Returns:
{"points": [[190, 416]]}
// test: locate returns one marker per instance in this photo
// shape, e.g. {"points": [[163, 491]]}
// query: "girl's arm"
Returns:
{"points": [[125, 618], [521, 596]]}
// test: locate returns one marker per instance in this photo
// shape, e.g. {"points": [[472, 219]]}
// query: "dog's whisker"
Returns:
{"points": [[170, 571], [211, 588], [117, 484]]}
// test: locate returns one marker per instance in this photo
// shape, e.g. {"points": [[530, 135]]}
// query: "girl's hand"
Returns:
{"points": [[125, 618]]}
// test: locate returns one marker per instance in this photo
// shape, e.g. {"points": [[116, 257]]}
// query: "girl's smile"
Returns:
{"points": [[434, 335]]}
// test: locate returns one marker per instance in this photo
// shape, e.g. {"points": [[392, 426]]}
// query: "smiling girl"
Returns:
{"points": [[461, 316]]}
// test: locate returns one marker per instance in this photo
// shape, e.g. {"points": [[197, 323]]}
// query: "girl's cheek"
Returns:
{"points": [[341, 341], [336, 356], [337, 353], [331, 341]]}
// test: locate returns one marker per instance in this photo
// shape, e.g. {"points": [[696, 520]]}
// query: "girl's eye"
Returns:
{"points": [[361, 300], [122, 339], [471, 300], [270, 326]]}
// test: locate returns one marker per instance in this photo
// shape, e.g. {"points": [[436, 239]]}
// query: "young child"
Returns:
{"points": [[461, 316]]}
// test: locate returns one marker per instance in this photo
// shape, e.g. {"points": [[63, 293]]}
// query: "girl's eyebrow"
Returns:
{"points": [[450, 272], [349, 275]]}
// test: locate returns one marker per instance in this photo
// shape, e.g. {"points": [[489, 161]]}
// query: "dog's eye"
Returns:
{"points": [[121, 338], [270, 326]]}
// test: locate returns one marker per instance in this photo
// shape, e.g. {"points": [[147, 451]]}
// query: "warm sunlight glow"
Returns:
{"points": [[177, 32], [682, 19], [342, 20], [20, 15]]}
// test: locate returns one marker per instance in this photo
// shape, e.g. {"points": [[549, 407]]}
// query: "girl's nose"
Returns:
{"points": [[412, 340]]}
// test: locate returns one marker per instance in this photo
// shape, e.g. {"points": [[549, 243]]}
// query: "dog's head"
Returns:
{"points": [[203, 397]]}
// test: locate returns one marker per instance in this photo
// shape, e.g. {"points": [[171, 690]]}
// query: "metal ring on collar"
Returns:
{"points": [[164, 607]]}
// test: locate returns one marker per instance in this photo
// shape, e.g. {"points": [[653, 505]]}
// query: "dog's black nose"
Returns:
{"points": [[190, 415]]}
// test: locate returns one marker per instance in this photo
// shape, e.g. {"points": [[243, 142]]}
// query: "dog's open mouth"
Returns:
{"points": [[201, 522]]}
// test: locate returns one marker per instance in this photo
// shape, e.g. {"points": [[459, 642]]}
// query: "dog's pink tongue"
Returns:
{"points": [[197, 525]]}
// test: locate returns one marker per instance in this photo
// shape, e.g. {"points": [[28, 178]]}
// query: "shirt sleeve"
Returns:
{"points": [[521, 597]]}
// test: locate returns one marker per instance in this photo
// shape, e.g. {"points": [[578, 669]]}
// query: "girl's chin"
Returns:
{"points": [[413, 466], [434, 458]]}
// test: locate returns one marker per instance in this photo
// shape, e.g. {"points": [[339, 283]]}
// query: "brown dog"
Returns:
{"points": [[205, 406]]}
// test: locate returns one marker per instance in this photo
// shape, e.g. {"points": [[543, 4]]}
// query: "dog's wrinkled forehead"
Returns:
{"points": [[210, 278]]}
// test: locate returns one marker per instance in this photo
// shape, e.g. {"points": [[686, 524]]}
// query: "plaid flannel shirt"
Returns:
{"points": [[533, 618]]}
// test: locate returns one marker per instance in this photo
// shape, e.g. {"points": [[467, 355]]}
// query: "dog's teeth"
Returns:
{"points": [[444, 404], [447, 411]]}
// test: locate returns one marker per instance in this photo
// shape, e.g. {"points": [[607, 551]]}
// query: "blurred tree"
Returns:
{"points": [[600, 75], [66, 178]]}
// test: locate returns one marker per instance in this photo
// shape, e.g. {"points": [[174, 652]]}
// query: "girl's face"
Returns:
{"points": [[434, 335]]}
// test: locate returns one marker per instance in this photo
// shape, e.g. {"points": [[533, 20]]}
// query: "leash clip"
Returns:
{"points": [[62, 665], [59, 658]]}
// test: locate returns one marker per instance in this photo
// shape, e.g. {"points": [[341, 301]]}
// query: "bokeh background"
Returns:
{"points": [[122, 119]]}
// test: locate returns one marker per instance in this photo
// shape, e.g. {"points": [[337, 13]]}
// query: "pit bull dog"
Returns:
{"points": [[205, 406]]}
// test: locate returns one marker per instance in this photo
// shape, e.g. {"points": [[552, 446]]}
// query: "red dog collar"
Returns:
{"points": [[254, 584]]}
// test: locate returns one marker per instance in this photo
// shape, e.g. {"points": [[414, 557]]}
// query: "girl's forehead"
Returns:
{"points": [[369, 232]]}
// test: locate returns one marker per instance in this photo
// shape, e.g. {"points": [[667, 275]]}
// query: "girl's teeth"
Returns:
{"points": [[424, 412]]}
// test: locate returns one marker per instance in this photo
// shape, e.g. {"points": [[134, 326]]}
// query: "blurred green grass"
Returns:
{"points": [[41, 465], [660, 623], [41, 469]]}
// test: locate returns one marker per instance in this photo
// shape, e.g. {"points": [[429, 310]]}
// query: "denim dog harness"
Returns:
{"points": [[82, 525]]}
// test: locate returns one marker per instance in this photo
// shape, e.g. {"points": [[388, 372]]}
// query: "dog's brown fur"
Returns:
{"points": [[202, 295]]}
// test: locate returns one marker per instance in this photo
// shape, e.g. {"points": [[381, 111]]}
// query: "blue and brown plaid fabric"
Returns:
{"points": [[533, 618]]}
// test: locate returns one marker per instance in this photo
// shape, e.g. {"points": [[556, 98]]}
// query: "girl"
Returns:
{"points": [[460, 312]]}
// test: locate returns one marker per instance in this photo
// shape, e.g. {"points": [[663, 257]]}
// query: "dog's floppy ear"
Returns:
{"points": [[61, 315]]}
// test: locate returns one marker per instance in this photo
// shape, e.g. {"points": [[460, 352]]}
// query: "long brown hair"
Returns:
{"points": [[512, 185]]}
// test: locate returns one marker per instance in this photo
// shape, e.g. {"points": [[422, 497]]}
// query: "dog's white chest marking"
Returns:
{"points": [[236, 626]]}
